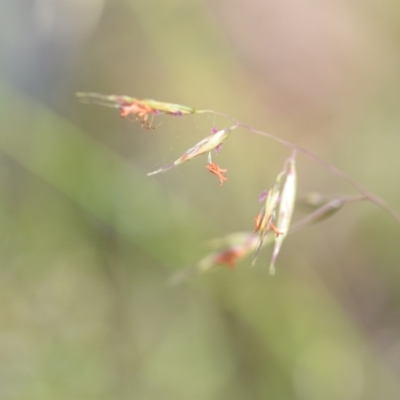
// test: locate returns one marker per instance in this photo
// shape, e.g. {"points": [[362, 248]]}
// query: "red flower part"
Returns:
{"points": [[230, 256], [134, 108], [141, 111], [215, 169], [273, 228], [258, 219]]}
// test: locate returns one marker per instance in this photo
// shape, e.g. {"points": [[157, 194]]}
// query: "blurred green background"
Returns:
{"points": [[88, 241]]}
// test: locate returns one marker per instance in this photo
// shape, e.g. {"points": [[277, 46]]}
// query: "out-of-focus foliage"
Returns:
{"points": [[88, 241]]}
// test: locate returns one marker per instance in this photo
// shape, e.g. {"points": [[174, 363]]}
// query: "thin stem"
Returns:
{"points": [[325, 211]]}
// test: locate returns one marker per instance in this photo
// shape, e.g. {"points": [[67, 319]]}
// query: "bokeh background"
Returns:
{"points": [[88, 241]]}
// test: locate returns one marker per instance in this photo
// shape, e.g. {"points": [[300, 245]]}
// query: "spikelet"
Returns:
{"points": [[277, 212], [204, 146], [140, 108], [236, 246], [264, 222], [285, 212]]}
